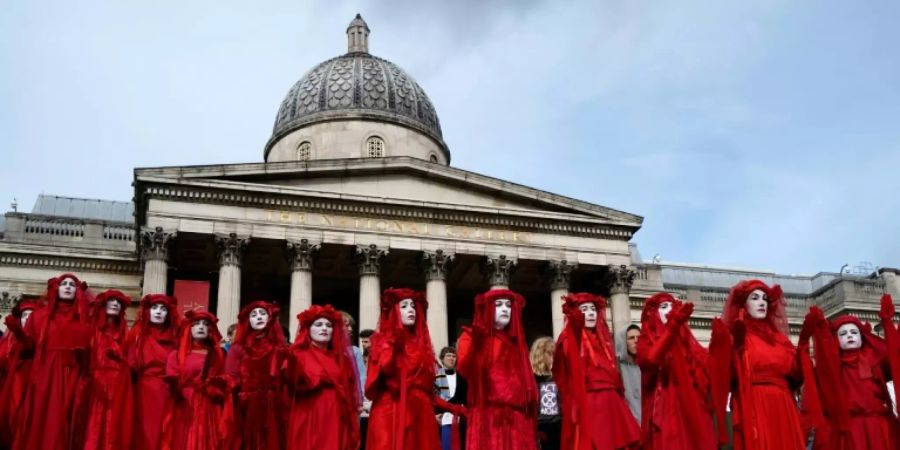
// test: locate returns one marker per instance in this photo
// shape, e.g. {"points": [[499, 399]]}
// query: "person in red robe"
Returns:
{"points": [[493, 358], [753, 359], [150, 342], [15, 363], [109, 381], [60, 335], [199, 415], [595, 412], [675, 379], [856, 366], [323, 384], [400, 377], [253, 365]]}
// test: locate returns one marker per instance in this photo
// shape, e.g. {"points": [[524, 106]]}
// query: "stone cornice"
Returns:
{"points": [[281, 200], [66, 264], [344, 167]]}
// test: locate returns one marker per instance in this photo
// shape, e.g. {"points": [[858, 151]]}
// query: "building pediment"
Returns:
{"points": [[398, 182]]}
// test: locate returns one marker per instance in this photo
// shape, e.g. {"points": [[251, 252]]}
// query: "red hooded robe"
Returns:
{"points": [[400, 379], [61, 337], [108, 406], [675, 381], [323, 386], [502, 389], [252, 365], [149, 346], [859, 415], [16, 365], [756, 361], [595, 413], [199, 415]]}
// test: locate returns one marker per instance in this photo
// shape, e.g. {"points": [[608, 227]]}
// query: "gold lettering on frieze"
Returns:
{"points": [[395, 226]]}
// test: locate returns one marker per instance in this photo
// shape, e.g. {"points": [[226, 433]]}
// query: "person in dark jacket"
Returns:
{"points": [[450, 386]]}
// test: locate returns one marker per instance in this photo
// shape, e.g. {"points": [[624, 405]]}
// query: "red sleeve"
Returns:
{"points": [[828, 370], [720, 365], [650, 354], [381, 365], [891, 336], [233, 364]]}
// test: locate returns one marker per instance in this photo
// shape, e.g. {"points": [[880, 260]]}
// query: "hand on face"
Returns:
{"points": [[757, 305], [259, 318], [66, 290], [502, 313], [200, 329], [321, 331], [849, 337], [113, 307], [158, 313], [590, 314], [407, 312]]}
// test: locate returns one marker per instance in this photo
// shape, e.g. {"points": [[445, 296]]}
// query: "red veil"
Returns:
{"points": [[273, 333], [347, 386], [687, 361], [728, 339], [109, 413], [16, 367], [142, 326]]}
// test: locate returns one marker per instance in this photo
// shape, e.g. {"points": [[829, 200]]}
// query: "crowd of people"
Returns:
{"points": [[73, 376]]}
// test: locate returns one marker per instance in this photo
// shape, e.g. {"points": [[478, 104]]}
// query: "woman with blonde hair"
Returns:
{"points": [[549, 419]]}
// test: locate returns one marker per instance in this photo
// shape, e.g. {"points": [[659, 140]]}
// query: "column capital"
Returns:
{"points": [[8, 301], [559, 273], [231, 248], [368, 259], [436, 264], [499, 269], [301, 254], [155, 243], [620, 278]]}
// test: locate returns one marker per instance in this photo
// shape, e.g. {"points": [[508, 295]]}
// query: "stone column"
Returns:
{"points": [[620, 280], [155, 245], [559, 274], [499, 270], [368, 260], [301, 254], [436, 264], [231, 250]]}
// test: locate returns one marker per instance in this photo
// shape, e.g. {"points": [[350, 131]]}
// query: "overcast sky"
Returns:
{"points": [[762, 134]]}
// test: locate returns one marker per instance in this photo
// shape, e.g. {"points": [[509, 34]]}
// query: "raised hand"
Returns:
{"points": [[814, 319], [680, 316], [887, 308], [576, 321]]}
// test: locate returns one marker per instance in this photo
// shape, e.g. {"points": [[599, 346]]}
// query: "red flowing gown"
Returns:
{"points": [[321, 415], [872, 425], [604, 422], [774, 418], [109, 418], [506, 418], [397, 412], [56, 390], [196, 418], [258, 413], [151, 392], [16, 362]]}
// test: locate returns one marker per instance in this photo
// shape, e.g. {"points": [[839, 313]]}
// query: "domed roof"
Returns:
{"points": [[357, 85]]}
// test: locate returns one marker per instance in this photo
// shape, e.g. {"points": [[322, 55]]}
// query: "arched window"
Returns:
{"points": [[375, 147], [433, 158], [304, 151]]}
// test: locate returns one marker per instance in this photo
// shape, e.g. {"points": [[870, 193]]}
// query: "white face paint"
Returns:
{"points": [[25, 315], [590, 314], [849, 337], [502, 312], [664, 309], [757, 305], [200, 329], [66, 290], [321, 331], [158, 313], [408, 312], [259, 318], [113, 308]]}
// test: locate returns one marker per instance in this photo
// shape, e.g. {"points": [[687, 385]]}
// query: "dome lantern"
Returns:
{"points": [[358, 36]]}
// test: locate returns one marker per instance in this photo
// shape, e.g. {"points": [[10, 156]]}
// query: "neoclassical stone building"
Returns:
{"points": [[355, 194]]}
